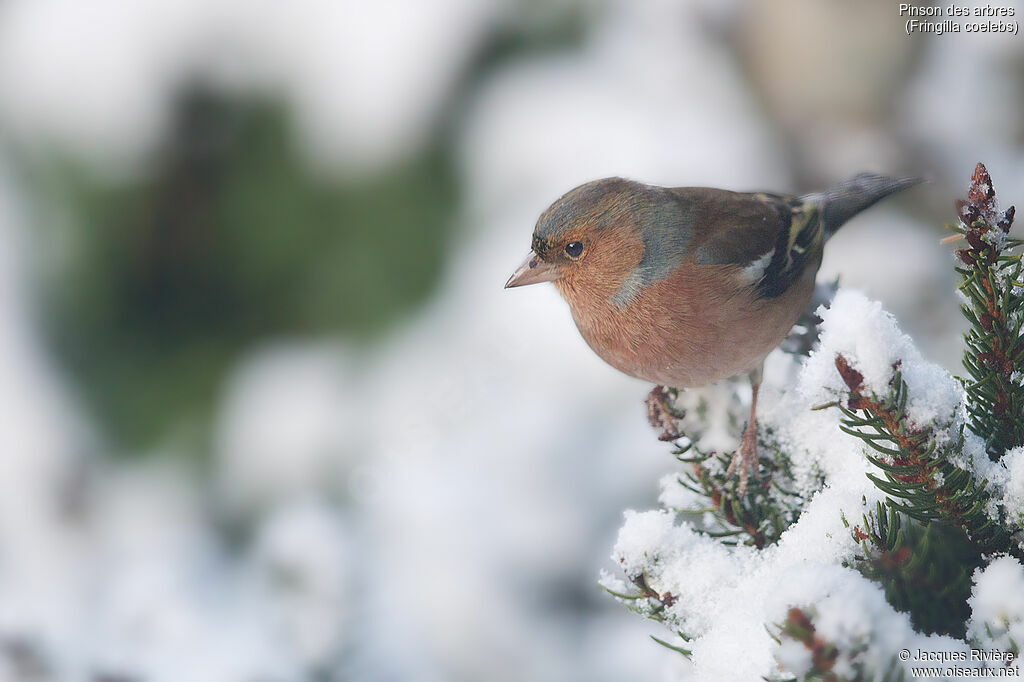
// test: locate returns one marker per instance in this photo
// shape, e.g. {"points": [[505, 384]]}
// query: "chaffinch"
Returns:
{"points": [[686, 286]]}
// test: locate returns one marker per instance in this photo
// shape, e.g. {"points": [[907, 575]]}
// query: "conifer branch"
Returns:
{"points": [[762, 514], [925, 569], [990, 269], [940, 521], [917, 475]]}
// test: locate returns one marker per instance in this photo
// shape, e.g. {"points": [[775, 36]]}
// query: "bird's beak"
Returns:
{"points": [[532, 271]]}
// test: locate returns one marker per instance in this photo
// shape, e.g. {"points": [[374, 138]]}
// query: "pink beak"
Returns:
{"points": [[532, 271]]}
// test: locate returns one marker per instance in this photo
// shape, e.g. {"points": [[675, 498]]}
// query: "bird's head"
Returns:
{"points": [[590, 240]]}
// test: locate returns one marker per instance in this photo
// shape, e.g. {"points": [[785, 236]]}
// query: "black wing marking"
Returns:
{"points": [[799, 239]]}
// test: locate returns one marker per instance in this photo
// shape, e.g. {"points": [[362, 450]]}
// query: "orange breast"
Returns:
{"points": [[697, 326]]}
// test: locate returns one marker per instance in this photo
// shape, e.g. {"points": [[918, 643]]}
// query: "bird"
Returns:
{"points": [[686, 286]]}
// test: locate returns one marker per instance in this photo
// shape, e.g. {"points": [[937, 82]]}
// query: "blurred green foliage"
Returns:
{"points": [[229, 240], [154, 287]]}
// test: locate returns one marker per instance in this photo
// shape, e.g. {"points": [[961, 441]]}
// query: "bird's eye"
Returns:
{"points": [[574, 249]]}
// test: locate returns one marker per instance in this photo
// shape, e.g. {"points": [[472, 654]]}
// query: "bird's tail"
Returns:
{"points": [[847, 199]]}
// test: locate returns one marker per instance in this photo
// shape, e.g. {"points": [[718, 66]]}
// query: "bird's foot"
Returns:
{"points": [[745, 457], [662, 415]]}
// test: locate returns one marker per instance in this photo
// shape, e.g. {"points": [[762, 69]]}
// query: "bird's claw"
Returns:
{"points": [[661, 414], [745, 457]]}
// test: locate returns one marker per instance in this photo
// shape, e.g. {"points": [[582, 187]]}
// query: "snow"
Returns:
{"points": [[1013, 482], [674, 495], [264, 459], [850, 612], [303, 562], [723, 596], [871, 341], [997, 605]]}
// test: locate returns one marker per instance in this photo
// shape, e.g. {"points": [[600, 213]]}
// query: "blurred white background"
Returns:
{"points": [[267, 413]]}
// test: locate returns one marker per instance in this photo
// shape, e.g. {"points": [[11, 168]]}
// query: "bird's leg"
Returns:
{"points": [[661, 415], [745, 456]]}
